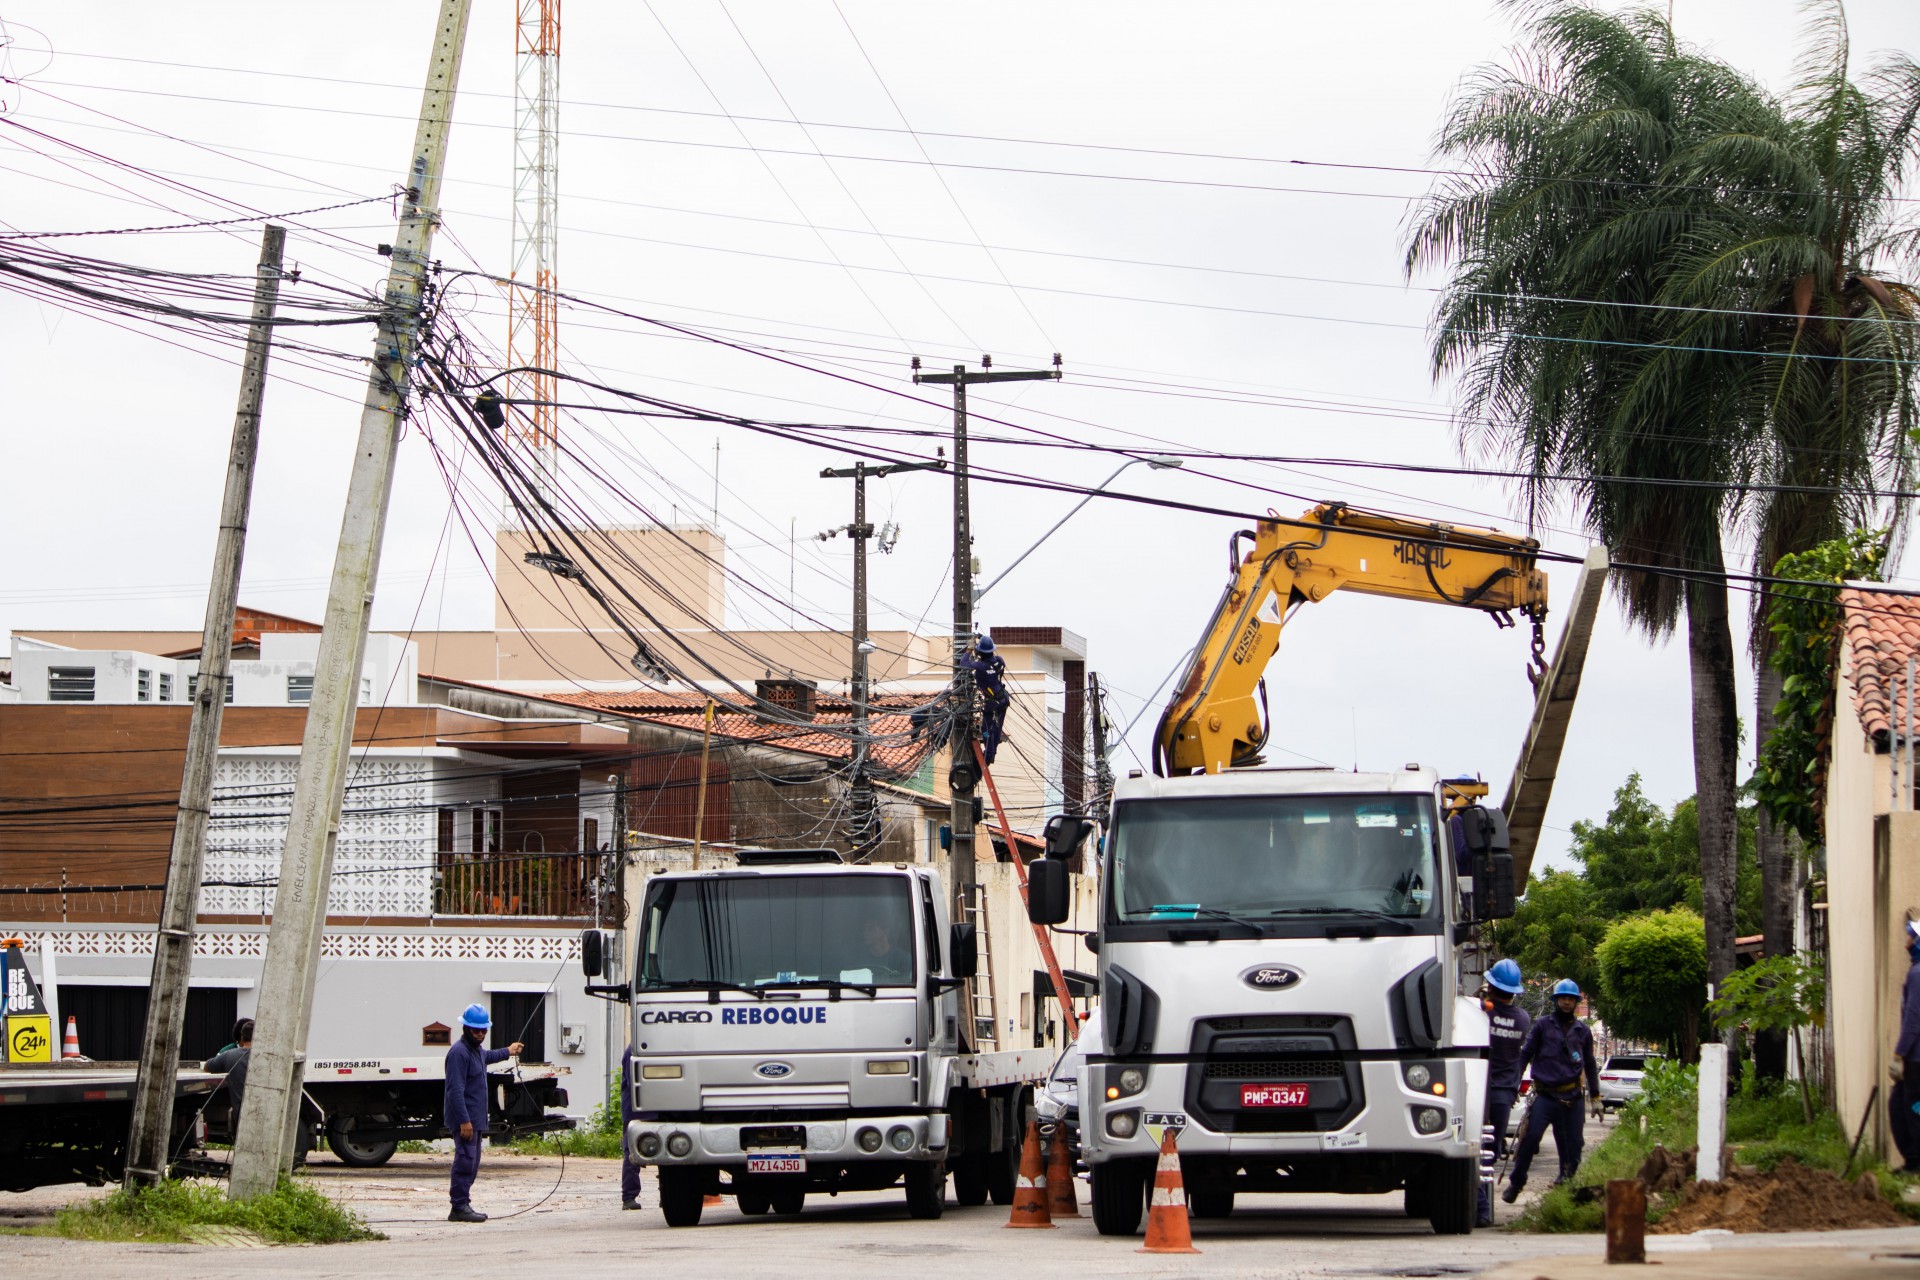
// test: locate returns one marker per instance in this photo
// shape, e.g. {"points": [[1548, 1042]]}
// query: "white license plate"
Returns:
{"points": [[776, 1164]]}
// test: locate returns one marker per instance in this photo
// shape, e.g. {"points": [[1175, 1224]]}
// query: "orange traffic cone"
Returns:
{"points": [[70, 1046], [1167, 1228], [1061, 1200], [1030, 1193]]}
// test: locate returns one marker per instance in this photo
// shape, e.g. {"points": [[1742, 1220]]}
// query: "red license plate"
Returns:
{"points": [[1273, 1095]]}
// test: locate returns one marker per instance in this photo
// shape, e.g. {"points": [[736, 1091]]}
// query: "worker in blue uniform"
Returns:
{"points": [[629, 1171], [990, 678], [1560, 1048], [1903, 1115], [1507, 1028], [466, 1105]]}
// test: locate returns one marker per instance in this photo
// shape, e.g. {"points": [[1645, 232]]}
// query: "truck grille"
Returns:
{"points": [[1274, 1048], [1258, 1069]]}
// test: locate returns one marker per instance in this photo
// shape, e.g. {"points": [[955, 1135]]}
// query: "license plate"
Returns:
{"points": [[1273, 1095], [776, 1164]]}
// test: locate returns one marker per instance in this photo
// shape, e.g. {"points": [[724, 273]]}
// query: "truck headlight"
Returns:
{"points": [[1418, 1076], [1123, 1124], [900, 1138], [679, 1144], [869, 1139], [1429, 1119], [1425, 1077], [649, 1145], [1127, 1082]]}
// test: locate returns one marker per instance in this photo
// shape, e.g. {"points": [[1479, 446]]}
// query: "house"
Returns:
{"points": [[1865, 882]]}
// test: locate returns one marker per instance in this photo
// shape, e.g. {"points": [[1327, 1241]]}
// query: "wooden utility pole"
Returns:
{"points": [[700, 805], [263, 1149], [963, 776], [152, 1127]]}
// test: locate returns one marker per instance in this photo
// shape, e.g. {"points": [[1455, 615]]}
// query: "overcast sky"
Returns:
{"points": [[1201, 207]]}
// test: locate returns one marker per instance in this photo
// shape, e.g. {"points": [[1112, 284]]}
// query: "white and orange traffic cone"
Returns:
{"points": [[1168, 1230], [1030, 1192], [1061, 1200], [70, 1046]]}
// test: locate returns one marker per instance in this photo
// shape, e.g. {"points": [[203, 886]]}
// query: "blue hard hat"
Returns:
{"points": [[985, 645], [1566, 987], [1506, 976], [476, 1017]]}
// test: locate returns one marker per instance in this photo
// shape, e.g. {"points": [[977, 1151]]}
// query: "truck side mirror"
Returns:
{"points": [[1497, 895], [1484, 829], [963, 950], [1049, 891], [1065, 833], [595, 950]]}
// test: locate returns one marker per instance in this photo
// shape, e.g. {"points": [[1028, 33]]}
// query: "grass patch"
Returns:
{"points": [[592, 1143], [1765, 1125], [293, 1213], [414, 1147]]}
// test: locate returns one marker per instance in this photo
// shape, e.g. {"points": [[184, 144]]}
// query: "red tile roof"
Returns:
{"points": [[896, 751], [1881, 631]]}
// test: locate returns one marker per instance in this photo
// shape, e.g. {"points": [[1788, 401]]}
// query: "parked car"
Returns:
{"points": [[1058, 1099], [1620, 1078]]}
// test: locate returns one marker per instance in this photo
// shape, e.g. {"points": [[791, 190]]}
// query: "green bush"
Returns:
{"points": [[598, 1138], [292, 1213]]}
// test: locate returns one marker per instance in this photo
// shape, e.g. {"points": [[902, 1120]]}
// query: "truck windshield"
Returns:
{"points": [[753, 931], [1261, 859]]}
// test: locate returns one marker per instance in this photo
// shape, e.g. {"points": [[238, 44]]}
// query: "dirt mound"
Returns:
{"points": [[1665, 1172], [1790, 1198]]}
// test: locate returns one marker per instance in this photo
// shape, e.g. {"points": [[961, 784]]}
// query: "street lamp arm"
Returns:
{"points": [[1157, 463]]}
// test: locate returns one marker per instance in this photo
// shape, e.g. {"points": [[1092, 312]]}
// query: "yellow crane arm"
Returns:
{"points": [[1216, 718]]}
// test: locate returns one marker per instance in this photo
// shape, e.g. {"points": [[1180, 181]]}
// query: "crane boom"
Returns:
{"points": [[1216, 717]]}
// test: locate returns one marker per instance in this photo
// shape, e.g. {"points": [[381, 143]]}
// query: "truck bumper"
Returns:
{"points": [[827, 1142]]}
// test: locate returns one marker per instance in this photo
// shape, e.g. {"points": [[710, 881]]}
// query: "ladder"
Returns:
{"points": [[986, 1012]]}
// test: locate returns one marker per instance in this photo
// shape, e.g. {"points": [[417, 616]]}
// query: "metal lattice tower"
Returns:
{"points": [[532, 314]]}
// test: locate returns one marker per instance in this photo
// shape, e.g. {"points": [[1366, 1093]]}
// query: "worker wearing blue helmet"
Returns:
{"points": [[1507, 1028], [466, 1105], [1560, 1047]]}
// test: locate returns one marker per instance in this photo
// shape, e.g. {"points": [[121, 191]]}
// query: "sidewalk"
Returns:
{"points": [[1842, 1255]]}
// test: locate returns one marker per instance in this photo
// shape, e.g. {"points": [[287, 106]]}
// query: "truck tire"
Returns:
{"points": [[1416, 1197], [970, 1182], [357, 1152], [681, 1192], [752, 1203], [1003, 1173], [788, 1200], [1453, 1193], [1119, 1196], [926, 1189], [1210, 1204]]}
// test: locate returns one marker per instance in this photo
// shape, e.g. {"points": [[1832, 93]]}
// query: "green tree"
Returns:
{"points": [[1653, 977], [1554, 931], [1563, 235]]}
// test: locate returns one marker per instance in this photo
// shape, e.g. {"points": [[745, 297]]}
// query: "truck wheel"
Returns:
{"points": [[681, 1191], [926, 1189], [1453, 1194], [970, 1182], [788, 1201], [1003, 1173], [752, 1203], [1210, 1204], [1416, 1197], [1119, 1196], [357, 1152]]}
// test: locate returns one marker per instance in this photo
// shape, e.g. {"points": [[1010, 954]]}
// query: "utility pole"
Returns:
{"points": [[861, 828], [1102, 768], [263, 1148], [152, 1127], [700, 805], [963, 776]]}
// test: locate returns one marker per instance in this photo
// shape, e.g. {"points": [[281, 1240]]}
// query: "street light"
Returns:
{"points": [[1157, 461]]}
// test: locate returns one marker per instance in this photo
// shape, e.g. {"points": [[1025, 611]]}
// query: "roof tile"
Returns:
{"points": [[1881, 632]]}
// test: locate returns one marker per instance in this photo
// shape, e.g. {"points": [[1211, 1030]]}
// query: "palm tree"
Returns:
{"points": [[1562, 236], [1795, 268]]}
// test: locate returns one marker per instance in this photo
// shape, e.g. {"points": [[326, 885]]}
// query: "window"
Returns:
{"points": [[143, 686], [299, 688], [485, 829], [366, 688], [69, 684], [166, 686], [193, 687]]}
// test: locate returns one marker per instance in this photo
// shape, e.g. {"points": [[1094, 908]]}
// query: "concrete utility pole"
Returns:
{"points": [[263, 1149], [861, 828], [152, 1127], [963, 776], [1102, 766]]}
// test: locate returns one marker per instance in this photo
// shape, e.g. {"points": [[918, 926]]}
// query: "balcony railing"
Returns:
{"points": [[549, 885]]}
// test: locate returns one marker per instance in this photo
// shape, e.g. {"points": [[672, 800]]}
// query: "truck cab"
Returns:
{"points": [[1281, 989]]}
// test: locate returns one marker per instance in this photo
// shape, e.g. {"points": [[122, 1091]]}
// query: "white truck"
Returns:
{"points": [[798, 1027], [1280, 986]]}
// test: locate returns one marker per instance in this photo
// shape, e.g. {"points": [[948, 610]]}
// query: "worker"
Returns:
{"points": [[1560, 1050], [1507, 1028], [232, 1062], [990, 678], [466, 1105], [887, 960], [1904, 1115], [629, 1171]]}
